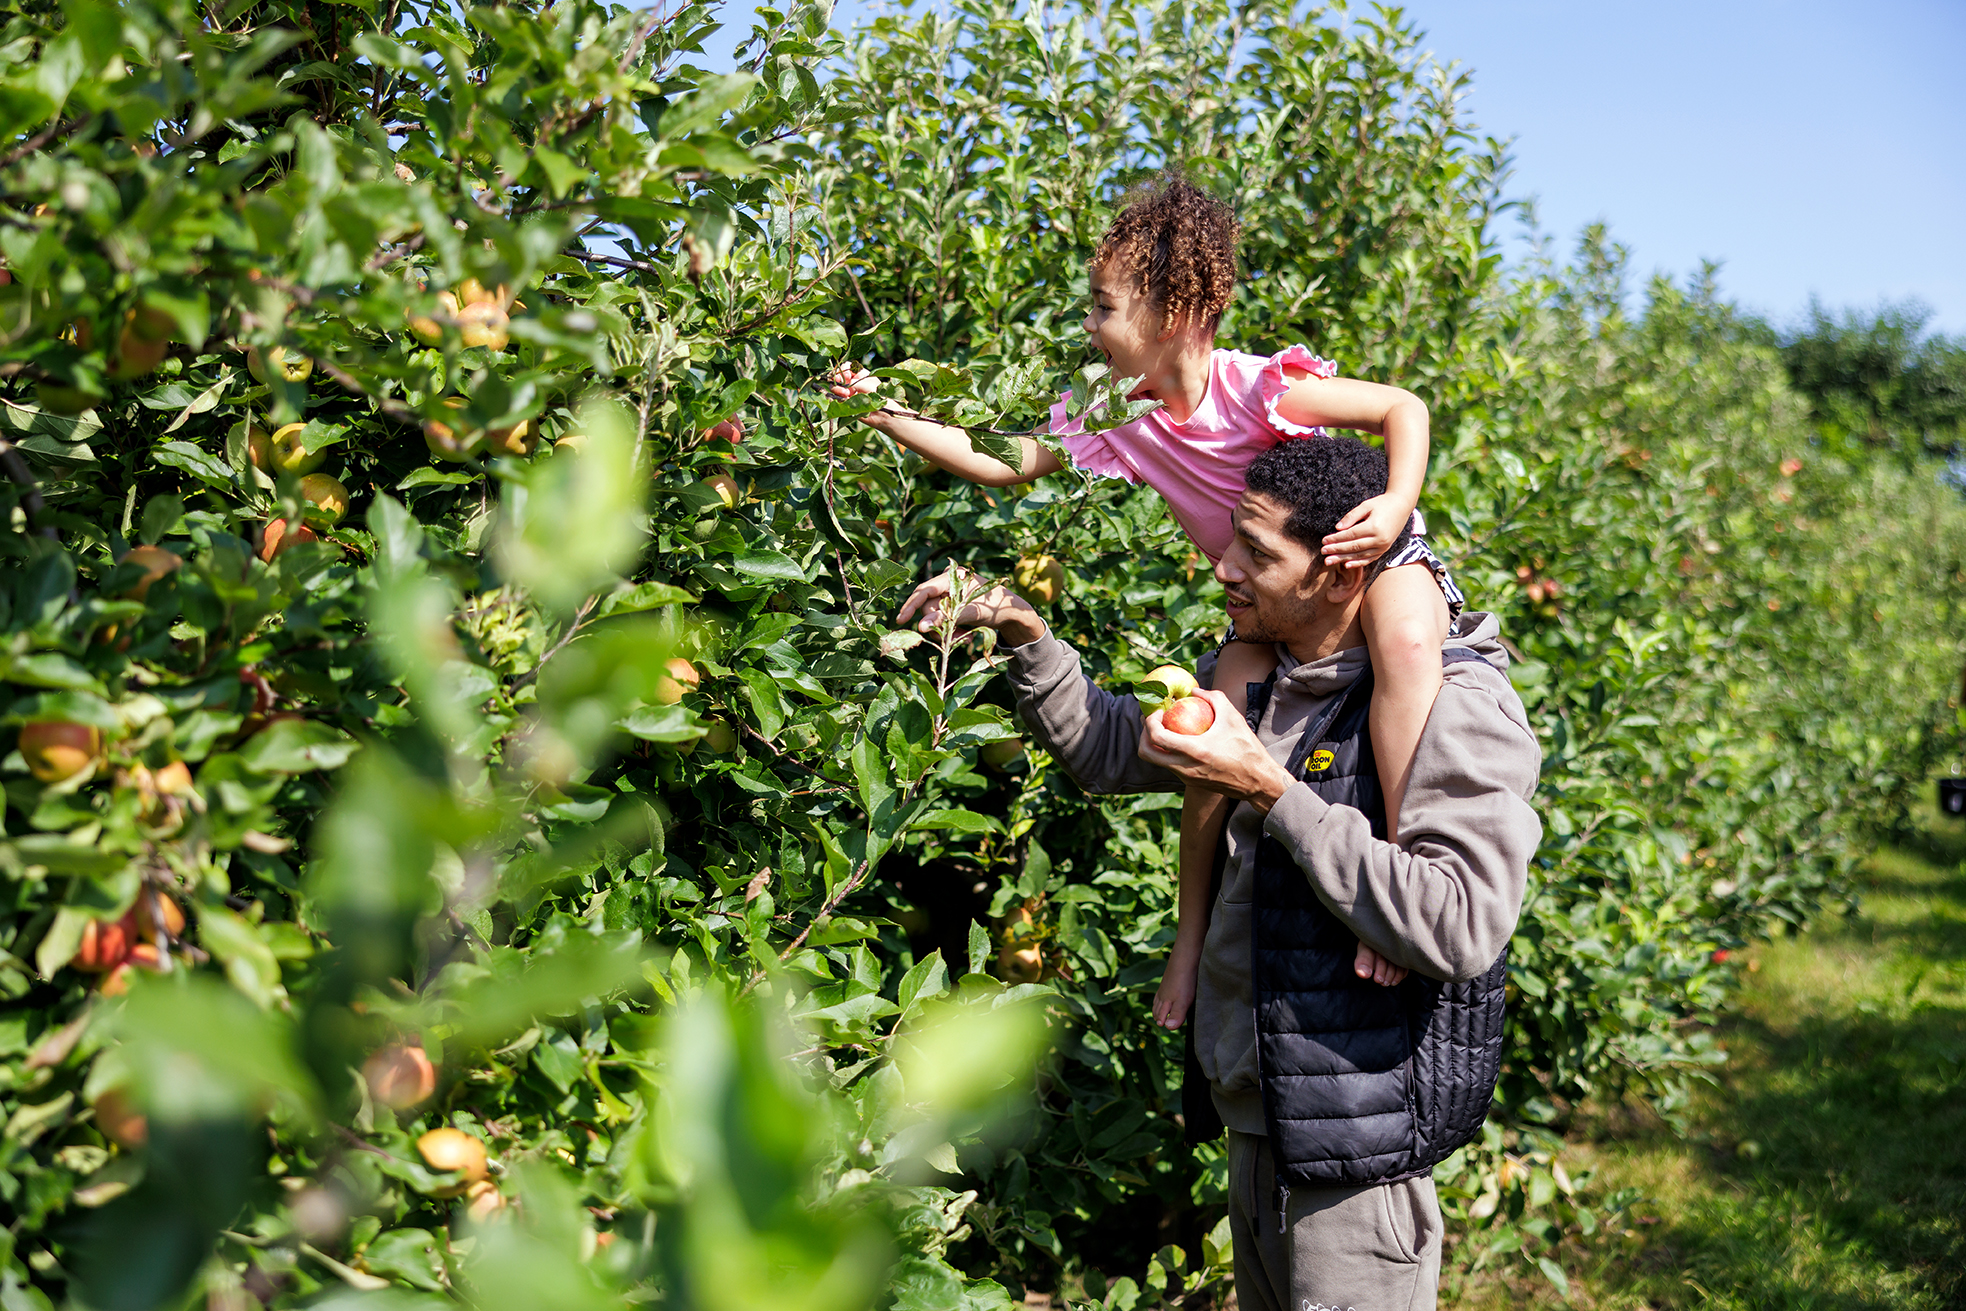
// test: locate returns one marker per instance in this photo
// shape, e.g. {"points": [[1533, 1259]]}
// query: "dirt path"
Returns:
{"points": [[1829, 1168]]}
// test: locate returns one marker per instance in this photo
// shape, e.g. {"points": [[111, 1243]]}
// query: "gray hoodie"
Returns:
{"points": [[1444, 905]]}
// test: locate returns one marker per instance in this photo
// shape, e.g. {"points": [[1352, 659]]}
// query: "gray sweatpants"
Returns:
{"points": [[1345, 1249]]}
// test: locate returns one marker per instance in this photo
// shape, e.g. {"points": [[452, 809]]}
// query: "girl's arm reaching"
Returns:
{"points": [[1390, 412], [944, 446]]}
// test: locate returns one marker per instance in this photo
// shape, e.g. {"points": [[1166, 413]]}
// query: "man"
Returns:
{"points": [[1339, 1092]]}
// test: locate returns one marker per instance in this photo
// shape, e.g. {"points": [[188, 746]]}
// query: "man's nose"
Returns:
{"points": [[1227, 572]]}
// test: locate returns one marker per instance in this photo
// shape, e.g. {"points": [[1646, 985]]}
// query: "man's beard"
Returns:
{"points": [[1273, 619]]}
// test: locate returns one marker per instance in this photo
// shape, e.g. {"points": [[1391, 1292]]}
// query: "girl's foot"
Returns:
{"points": [[1373, 968]]}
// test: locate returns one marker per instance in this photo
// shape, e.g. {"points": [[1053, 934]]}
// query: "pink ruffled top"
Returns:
{"points": [[1197, 466]]}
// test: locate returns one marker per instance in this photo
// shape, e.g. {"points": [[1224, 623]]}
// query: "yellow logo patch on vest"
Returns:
{"points": [[1319, 762]]}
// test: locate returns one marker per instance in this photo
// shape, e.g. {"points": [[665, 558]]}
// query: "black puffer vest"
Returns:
{"points": [[1361, 1084]]}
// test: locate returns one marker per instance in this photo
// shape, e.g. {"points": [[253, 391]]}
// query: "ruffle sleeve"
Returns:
{"points": [[1090, 451], [1274, 384]]}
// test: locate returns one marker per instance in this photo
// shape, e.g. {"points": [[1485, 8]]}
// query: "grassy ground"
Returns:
{"points": [[1829, 1168]]}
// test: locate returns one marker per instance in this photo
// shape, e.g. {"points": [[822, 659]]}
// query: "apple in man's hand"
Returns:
{"points": [[1191, 716], [1185, 713]]}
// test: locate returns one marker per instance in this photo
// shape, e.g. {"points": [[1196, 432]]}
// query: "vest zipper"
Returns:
{"points": [[1283, 1207]]}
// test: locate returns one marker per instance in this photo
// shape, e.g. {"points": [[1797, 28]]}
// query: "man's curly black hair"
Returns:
{"points": [[1321, 480]]}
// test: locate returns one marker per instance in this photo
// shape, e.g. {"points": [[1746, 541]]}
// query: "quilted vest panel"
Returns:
{"points": [[1361, 1084]]}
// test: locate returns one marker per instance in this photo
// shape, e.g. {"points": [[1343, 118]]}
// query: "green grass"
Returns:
{"points": [[1828, 1168]]}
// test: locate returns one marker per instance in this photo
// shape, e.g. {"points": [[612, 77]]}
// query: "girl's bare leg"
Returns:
{"points": [[1202, 816], [1405, 621]]}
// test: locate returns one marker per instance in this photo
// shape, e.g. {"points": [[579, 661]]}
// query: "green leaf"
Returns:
{"points": [[204, 467], [430, 476], [642, 596], [295, 746], [767, 703], [249, 961], [955, 820], [979, 947], [768, 564]]}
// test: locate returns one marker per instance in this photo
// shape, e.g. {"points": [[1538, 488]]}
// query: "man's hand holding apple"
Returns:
{"points": [[1225, 757]]}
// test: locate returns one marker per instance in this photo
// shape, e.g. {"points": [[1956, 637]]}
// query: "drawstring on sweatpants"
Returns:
{"points": [[1283, 1207]]}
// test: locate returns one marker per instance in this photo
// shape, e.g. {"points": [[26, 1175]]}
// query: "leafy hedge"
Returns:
{"points": [[736, 972]]}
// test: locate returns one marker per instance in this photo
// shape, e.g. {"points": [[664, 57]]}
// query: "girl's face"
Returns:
{"points": [[1124, 325]]}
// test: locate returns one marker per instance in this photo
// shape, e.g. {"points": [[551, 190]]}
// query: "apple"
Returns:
{"points": [[283, 450], [105, 945], [1039, 578], [575, 442], [400, 1075], [726, 489], [141, 348], [143, 956], [58, 399], [1191, 716], [1020, 964], [156, 562], [730, 430], [453, 1149], [482, 1200], [431, 331], [447, 443], [721, 737], [1178, 681], [289, 366], [681, 677], [119, 1119], [56, 750], [174, 778], [1001, 754], [157, 917], [278, 537], [521, 439], [327, 494], [484, 323]]}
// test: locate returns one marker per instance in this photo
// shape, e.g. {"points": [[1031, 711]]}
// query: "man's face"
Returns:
{"points": [[1274, 582]]}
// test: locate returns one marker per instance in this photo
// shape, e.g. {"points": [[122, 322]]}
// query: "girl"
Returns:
{"points": [[1160, 279]]}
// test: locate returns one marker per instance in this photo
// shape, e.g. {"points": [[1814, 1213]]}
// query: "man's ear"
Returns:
{"points": [[1343, 584]]}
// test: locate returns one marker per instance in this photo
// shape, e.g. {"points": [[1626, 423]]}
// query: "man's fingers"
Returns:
{"points": [[932, 590]]}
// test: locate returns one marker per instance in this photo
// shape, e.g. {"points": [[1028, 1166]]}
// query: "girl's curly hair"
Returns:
{"points": [[1179, 244]]}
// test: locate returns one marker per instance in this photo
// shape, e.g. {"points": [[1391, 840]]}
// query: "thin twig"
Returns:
{"points": [[573, 631], [34, 143], [615, 261], [31, 503], [384, 258], [387, 406]]}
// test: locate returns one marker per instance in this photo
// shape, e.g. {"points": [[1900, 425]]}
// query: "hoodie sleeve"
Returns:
{"points": [[1446, 904], [1094, 734]]}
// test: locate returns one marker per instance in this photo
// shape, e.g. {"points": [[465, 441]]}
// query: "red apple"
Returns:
{"points": [[56, 750], [1191, 716]]}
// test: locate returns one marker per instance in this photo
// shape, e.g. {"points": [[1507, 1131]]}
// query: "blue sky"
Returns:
{"points": [[1812, 148]]}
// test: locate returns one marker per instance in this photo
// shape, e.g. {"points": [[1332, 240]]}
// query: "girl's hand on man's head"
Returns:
{"points": [[1368, 532]]}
